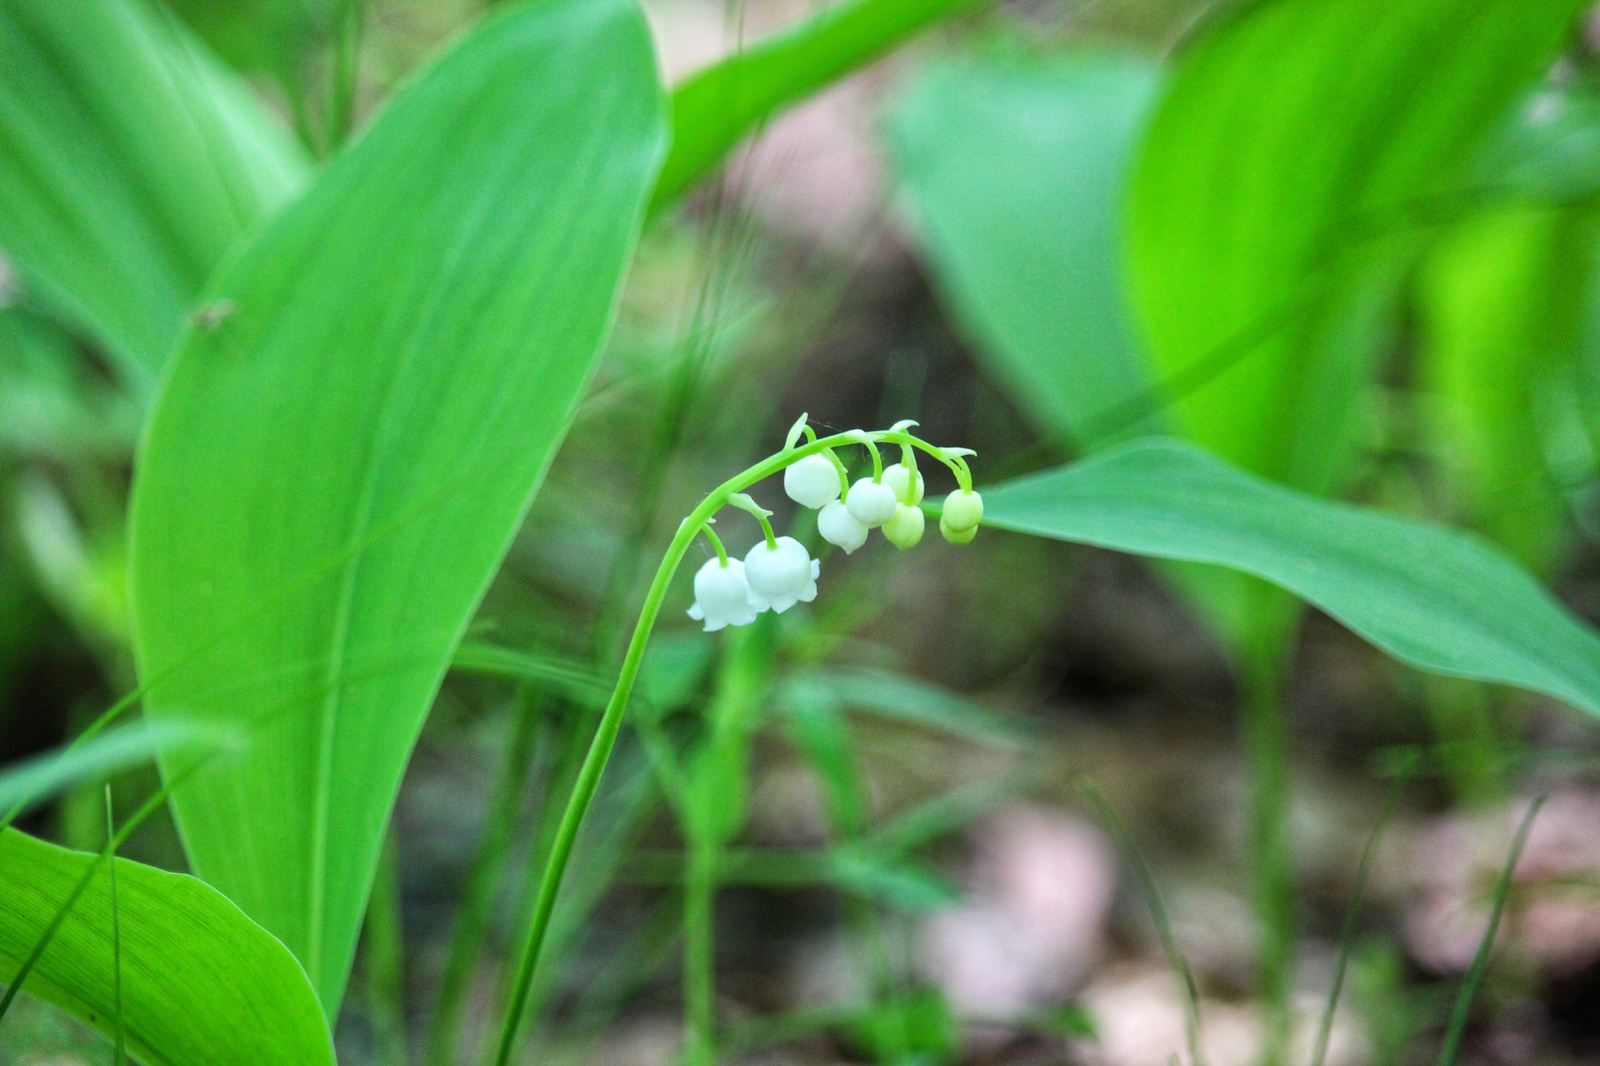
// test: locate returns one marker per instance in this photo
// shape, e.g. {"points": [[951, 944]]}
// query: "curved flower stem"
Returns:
{"points": [[877, 460], [605, 737], [716, 542]]}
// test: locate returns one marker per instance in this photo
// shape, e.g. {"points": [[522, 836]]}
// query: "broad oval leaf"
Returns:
{"points": [[1291, 158], [716, 108], [201, 983], [336, 465], [1438, 598], [1015, 168], [130, 162]]}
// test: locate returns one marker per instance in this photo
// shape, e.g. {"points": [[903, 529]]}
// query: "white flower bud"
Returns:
{"points": [[963, 510], [812, 482], [722, 596], [781, 576], [955, 536], [897, 477], [905, 528], [871, 503], [838, 526]]}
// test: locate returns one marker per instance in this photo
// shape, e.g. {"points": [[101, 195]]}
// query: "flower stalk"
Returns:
{"points": [[587, 782]]}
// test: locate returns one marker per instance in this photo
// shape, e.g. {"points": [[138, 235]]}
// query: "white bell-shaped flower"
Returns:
{"points": [[812, 482], [782, 575], [904, 530], [957, 536], [871, 503], [898, 477], [838, 526], [722, 596], [963, 510]]}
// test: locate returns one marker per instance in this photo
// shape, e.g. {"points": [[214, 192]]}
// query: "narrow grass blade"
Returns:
{"points": [[1462, 1012], [1176, 960]]}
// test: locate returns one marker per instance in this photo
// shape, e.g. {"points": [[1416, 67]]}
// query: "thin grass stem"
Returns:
{"points": [[1176, 961], [1347, 934], [1462, 1012]]}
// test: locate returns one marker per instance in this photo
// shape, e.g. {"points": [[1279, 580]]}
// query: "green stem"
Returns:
{"points": [[119, 1055], [1266, 744], [605, 738], [716, 542], [766, 531], [699, 952]]}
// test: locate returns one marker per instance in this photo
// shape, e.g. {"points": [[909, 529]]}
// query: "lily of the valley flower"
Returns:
{"points": [[781, 575], [963, 511], [904, 528], [812, 481], [871, 503], [899, 477], [722, 595], [839, 527]]}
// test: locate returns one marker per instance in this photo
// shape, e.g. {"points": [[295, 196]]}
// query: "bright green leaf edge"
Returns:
{"points": [[201, 983], [1440, 599]]}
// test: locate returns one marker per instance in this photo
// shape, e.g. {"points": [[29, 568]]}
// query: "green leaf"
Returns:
{"points": [[201, 983], [334, 470], [51, 402], [1438, 598], [27, 783], [1286, 170], [1015, 168], [572, 678], [1501, 305], [899, 698], [715, 109], [130, 162]]}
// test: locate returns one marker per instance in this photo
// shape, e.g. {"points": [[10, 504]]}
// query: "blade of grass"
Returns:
{"points": [[1158, 914], [139, 817], [1347, 935], [1480, 962], [119, 1055]]}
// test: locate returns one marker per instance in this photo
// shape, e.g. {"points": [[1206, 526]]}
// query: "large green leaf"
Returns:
{"points": [[335, 468], [130, 161], [1297, 144], [201, 984], [716, 108], [1438, 598], [1502, 301], [1015, 167]]}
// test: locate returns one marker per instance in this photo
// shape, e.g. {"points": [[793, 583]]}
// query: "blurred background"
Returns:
{"points": [[950, 771]]}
